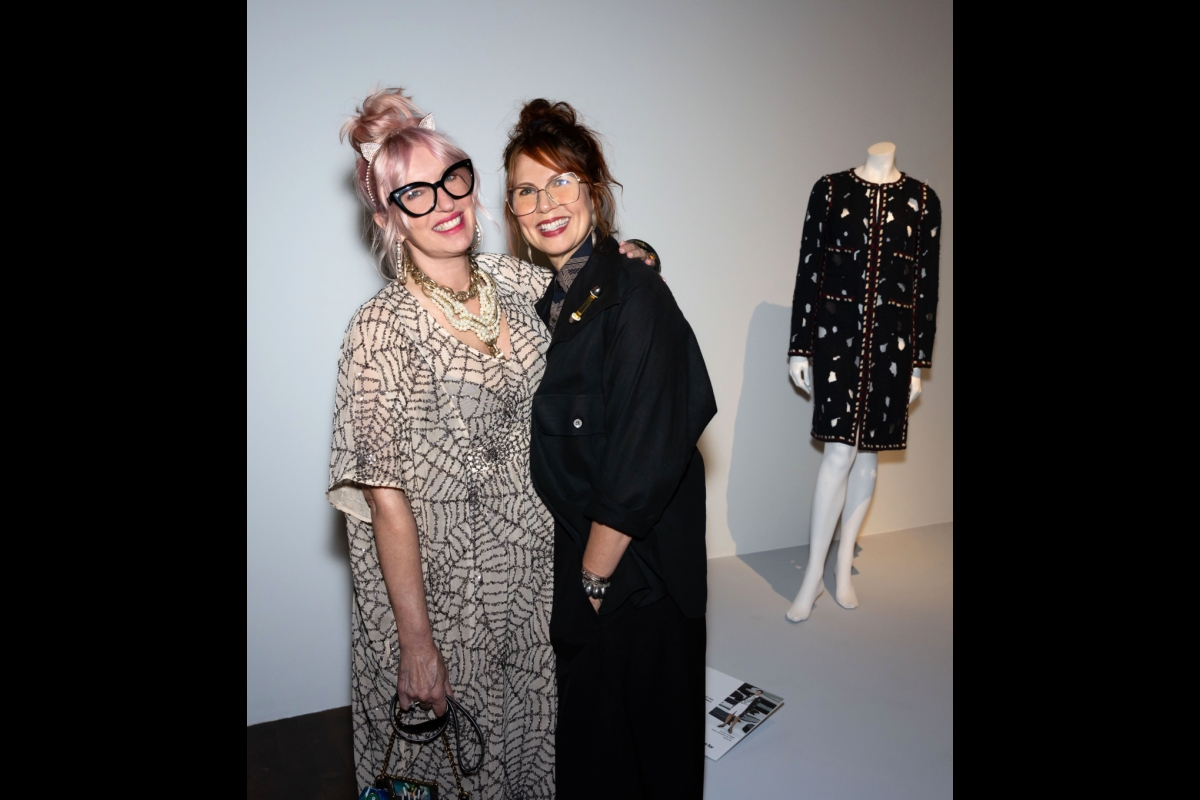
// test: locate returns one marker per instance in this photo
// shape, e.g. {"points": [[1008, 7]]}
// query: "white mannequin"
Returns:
{"points": [[846, 477]]}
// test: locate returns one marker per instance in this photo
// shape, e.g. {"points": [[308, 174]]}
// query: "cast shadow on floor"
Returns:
{"points": [[784, 569]]}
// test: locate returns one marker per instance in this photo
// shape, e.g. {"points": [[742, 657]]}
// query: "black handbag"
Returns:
{"points": [[457, 719]]}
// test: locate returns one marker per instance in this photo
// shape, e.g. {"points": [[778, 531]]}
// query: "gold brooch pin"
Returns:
{"points": [[592, 295]]}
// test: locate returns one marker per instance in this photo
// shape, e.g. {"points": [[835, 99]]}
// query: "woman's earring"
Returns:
{"points": [[401, 261], [475, 245]]}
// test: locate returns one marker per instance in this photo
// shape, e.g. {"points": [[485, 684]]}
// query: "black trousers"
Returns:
{"points": [[630, 692]]}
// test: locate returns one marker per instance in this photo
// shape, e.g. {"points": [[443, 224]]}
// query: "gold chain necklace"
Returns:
{"points": [[429, 285], [485, 324]]}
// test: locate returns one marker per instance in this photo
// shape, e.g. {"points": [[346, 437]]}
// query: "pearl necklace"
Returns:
{"points": [[485, 325]]}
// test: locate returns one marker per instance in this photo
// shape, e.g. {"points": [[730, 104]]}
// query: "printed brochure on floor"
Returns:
{"points": [[732, 709]]}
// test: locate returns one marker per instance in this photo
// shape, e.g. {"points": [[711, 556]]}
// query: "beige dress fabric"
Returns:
{"points": [[419, 411]]}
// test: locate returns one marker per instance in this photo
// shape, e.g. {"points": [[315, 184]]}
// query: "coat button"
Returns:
{"points": [[578, 423]]}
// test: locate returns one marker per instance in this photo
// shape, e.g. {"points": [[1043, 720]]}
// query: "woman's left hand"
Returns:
{"points": [[603, 552], [631, 250]]}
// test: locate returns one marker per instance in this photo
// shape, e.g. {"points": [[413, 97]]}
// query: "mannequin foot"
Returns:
{"points": [[802, 607], [845, 596]]}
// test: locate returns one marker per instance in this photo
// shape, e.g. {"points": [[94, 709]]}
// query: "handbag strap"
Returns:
{"points": [[430, 729], [422, 732], [454, 708]]}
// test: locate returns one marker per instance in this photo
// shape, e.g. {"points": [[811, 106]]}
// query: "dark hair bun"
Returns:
{"points": [[544, 114]]}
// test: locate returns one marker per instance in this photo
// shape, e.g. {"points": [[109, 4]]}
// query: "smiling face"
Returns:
{"points": [[449, 229], [555, 230]]}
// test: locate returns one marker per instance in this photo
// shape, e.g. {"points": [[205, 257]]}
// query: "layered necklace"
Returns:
{"points": [[485, 324]]}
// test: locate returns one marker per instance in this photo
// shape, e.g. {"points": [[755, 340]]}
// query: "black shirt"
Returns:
{"points": [[622, 403]]}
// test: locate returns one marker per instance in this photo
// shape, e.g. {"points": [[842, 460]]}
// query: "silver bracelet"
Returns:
{"points": [[594, 586]]}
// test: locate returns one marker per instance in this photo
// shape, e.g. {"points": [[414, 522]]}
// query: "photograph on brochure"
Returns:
{"points": [[733, 709]]}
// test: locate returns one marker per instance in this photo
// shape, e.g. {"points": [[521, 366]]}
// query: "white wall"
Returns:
{"points": [[719, 116]]}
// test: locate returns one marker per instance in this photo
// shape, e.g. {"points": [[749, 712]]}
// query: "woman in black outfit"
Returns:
{"points": [[624, 399]]}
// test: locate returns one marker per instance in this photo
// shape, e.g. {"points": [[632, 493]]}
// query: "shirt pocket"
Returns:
{"points": [[844, 268], [897, 278], [569, 414]]}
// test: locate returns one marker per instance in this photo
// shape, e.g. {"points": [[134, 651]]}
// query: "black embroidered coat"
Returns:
{"points": [[622, 403], [865, 305]]}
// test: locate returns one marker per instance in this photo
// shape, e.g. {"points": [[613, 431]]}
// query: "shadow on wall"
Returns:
{"points": [[773, 467], [339, 540]]}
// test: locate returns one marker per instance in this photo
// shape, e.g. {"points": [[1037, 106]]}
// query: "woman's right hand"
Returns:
{"points": [[422, 678]]}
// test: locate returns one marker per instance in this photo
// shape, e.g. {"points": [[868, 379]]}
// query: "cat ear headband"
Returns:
{"points": [[369, 149]]}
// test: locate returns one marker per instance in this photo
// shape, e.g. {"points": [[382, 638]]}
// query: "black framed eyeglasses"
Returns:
{"points": [[561, 189], [420, 198]]}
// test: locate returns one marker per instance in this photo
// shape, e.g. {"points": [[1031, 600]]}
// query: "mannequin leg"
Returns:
{"points": [[860, 487], [828, 499]]}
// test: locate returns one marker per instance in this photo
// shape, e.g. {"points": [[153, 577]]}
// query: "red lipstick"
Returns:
{"points": [[461, 221], [555, 232]]}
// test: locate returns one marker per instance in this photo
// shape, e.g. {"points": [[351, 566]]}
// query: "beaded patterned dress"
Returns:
{"points": [[865, 305], [420, 411]]}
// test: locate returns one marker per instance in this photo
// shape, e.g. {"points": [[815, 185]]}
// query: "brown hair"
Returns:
{"points": [[551, 134]]}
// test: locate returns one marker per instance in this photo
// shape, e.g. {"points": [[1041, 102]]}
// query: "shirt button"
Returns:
{"points": [[578, 423]]}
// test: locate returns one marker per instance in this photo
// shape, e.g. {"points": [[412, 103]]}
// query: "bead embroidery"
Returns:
{"points": [[893, 261]]}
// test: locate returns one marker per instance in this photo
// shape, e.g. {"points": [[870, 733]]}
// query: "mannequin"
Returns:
{"points": [[846, 477]]}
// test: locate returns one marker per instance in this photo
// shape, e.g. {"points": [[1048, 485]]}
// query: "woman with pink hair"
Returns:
{"points": [[451, 548]]}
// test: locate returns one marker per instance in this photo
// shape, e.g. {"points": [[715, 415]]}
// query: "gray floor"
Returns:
{"points": [[868, 693]]}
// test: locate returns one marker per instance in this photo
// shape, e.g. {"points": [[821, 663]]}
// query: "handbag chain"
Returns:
{"points": [[462, 794], [387, 758]]}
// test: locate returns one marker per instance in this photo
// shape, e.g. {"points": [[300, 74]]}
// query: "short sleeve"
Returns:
{"points": [[370, 428], [516, 277]]}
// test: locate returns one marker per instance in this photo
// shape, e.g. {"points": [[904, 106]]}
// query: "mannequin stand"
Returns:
{"points": [[846, 477]]}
